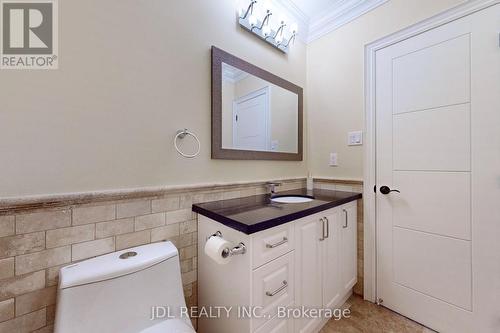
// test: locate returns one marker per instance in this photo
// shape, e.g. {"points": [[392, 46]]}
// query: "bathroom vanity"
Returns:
{"points": [[296, 255]]}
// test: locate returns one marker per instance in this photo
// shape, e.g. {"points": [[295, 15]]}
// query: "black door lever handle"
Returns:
{"points": [[387, 190]]}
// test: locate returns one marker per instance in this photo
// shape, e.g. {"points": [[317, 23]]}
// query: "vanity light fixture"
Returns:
{"points": [[258, 19]]}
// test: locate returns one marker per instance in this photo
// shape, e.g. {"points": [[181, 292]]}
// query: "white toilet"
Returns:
{"points": [[116, 293]]}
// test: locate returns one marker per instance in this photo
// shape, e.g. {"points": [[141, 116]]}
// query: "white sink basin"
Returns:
{"points": [[291, 199]]}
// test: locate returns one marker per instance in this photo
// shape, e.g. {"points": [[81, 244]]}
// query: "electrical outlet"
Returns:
{"points": [[333, 159], [355, 138]]}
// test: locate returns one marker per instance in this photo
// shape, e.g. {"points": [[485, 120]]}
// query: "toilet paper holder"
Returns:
{"points": [[227, 252]]}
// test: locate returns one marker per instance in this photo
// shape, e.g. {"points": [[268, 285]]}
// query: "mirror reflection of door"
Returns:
{"points": [[251, 121], [257, 115]]}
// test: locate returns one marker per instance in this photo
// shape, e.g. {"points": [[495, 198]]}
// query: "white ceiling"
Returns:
{"points": [[317, 18], [314, 8]]}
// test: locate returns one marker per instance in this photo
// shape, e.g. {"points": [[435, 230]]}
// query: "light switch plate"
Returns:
{"points": [[333, 159], [355, 138]]}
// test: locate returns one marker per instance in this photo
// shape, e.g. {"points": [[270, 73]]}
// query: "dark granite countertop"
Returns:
{"points": [[257, 213]]}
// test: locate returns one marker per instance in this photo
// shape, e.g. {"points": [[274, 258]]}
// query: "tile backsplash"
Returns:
{"points": [[36, 242]]}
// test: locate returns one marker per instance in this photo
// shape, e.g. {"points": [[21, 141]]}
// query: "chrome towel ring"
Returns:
{"points": [[181, 134]]}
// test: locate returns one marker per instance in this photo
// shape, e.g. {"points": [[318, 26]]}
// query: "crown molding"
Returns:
{"points": [[232, 74], [338, 14]]}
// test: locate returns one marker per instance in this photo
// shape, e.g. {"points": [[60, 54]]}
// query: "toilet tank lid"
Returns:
{"points": [[111, 265]]}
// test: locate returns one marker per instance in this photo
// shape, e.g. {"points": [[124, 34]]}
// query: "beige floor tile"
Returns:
{"points": [[367, 317]]}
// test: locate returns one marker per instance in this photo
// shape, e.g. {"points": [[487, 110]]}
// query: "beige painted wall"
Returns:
{"points": [[131, 74], [335, 70]]}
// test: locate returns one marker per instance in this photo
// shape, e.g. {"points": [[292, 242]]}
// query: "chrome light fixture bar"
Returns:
{"points": [[280, 35]]}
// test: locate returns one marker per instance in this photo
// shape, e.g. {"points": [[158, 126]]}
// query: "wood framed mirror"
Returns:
{"points": [[256, 115]]}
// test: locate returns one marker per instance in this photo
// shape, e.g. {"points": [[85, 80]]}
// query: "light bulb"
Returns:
{"points": [[294, 28], [252, 20], [242, 7], [282, 20], [267, 5], [266, 30], [279, 38]]}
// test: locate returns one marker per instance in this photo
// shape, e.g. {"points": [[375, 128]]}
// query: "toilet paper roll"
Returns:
{"points": [[214, 247]]}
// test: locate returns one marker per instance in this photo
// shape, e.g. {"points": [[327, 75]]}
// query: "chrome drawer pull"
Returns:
{"points": [[272, 246], [346, 219], [322, 230], [271, 294]]}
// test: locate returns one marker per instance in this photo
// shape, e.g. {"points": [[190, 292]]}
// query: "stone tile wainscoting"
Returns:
{"points": [[39, 236], [349, 186]]}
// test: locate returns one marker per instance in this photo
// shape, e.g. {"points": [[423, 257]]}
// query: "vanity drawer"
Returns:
{"points": [[272, 243], [276, 325], [273, 285]]}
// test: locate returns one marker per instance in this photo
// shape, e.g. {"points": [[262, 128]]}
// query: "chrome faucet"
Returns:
{"points": [[272, 187]]}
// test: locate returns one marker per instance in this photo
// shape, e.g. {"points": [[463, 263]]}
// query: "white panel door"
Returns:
{"points": [[251, 121], [438, 143]]}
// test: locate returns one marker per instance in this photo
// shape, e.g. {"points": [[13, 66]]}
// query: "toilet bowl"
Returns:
{"points": [[120, 291]]}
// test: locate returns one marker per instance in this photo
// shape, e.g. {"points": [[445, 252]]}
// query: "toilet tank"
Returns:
{"points": [[116, 292]]}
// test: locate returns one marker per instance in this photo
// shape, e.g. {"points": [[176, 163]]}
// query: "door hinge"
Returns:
{"points": [[379, 301], [236, 117], [375, 188]]}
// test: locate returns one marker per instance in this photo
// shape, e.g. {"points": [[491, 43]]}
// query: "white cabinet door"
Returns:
{"points": [[309, 266], [331, 259], [273, 287], [348, 236], [277, 325], [272, 243]]}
